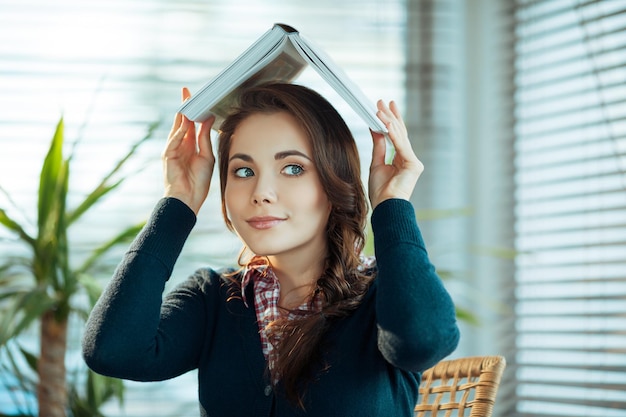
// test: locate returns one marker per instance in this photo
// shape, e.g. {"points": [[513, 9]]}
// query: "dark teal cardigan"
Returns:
{"points": [[405, 324]]}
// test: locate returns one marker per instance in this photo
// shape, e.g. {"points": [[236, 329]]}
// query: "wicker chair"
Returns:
{"points": [[460, 387]]}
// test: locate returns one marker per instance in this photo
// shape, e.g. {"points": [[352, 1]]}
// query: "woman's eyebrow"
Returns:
{"points": [[242, 156], [285, 154], [277, 156]]}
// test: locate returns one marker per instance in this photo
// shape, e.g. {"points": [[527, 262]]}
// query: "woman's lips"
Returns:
{"points": [[264, 222]]}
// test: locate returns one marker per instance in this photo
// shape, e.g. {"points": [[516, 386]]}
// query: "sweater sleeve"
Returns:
{"points": [[130, 332], [415, 314]]}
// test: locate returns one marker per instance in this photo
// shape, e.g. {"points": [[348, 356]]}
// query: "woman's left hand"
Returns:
{"points": [[398, 179]]}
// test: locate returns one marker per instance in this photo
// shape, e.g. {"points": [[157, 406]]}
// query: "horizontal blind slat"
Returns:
{"points": [[608, 404]]}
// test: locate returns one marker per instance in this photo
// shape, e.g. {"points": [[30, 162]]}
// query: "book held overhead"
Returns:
{"points": [[279, 55]]}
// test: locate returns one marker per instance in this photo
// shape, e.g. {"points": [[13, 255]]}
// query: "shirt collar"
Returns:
{"points": [[257, 268]]}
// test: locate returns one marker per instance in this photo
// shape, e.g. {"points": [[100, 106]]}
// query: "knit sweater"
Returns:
{"points": [[405, 324]]}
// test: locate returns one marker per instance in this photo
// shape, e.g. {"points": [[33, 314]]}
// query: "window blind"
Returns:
{"points": [[570, 159]]}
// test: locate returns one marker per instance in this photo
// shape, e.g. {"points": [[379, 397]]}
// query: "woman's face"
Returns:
{"points": [[273, 196]]}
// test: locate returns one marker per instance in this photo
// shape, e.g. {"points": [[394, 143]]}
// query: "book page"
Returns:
{"points": [[284, 68], [339, 80]]}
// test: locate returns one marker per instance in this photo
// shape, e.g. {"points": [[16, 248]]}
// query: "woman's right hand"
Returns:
{"points": [[188, 160]]}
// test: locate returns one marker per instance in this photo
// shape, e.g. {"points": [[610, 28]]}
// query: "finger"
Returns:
{"points": [[396, 111], [178, 118], [393, 107], [378, 150], [185, 94], [383, 113], [176, 136], [404, 155], [391, 117], [191, 130], [204, 138], [398, 134], [395, 126]]}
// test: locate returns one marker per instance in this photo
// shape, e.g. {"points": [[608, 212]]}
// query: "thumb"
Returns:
{"points": [[378, 150]]}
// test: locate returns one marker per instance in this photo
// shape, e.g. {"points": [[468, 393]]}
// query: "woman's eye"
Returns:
{"points": [[244, 172], [294, 170]]}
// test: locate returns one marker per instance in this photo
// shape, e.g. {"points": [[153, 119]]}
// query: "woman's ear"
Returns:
{"points": [[331, 208]]}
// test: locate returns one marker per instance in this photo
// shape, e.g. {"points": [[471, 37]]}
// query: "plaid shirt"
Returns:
{"points": [[266, 297]]}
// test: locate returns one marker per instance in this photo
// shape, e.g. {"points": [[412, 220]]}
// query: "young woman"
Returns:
{"points": [[306, 326]]}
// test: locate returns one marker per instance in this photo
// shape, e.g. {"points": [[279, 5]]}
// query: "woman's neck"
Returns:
{"points": [[297, 279]]}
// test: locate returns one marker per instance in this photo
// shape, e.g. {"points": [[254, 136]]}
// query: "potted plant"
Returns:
{"points": [[44, 286]]}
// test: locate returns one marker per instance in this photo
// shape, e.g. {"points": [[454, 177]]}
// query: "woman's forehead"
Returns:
{"points": [[267, 133]]}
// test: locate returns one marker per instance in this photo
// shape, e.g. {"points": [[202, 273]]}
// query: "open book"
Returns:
{"points": [[279, 55]]}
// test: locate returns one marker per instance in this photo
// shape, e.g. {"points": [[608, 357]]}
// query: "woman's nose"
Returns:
{"points": [[264, 192], [259, 199]]}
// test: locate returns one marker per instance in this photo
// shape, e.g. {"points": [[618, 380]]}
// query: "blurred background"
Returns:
{"points": [[516, 107]]}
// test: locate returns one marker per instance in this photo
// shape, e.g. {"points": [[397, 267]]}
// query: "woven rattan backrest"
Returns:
{"points": [[460, 387]]}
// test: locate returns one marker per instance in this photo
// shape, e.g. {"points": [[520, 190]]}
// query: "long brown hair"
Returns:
{"points": [[299, 343]]}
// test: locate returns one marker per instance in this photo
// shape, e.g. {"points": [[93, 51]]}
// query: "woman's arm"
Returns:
{"points": [[130, 333], [416, 317]]}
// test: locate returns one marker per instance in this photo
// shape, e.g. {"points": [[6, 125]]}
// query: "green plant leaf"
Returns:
{"points": [[49, 178], [92, 287], [101, 389], [30, 358], [25, 383], [98, 390], [96, 195], [9, 279], [26, 307], [13, 226], [445, 274], [125, 236], [467, 316], [104, 187], [438, 214], [51, 245], [496, 252], [12, 293]]}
